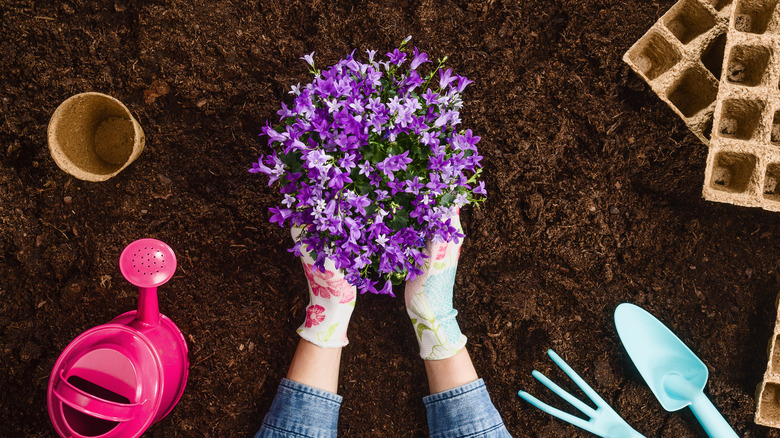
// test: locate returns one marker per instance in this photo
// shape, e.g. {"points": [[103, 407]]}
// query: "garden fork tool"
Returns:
{"points": [[603, 421]]}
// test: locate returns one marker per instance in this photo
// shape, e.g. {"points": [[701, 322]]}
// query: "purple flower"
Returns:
{"points": [[288, 200], [413, 81], [429, 97], [445, 78], [273, 173], [414, 185], [462, 83], [348, 162], [387, 289], [395, 187], [396, 57], [369, 167], [309, 58], [419, 58], [338, 180], [381, 194], [365, 168], [279, 215], [360, 203], [317, 160], [395, 105], [274, 136]]}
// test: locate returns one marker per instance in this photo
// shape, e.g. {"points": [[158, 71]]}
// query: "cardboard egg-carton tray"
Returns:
{"points": [[743, 164], [768, 391], [681, 58]]}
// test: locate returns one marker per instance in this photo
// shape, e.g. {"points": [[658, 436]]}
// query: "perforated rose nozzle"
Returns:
{"points": [[147, 264]]}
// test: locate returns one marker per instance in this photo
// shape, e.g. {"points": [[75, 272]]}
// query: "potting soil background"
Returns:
{"points": [[594, 199]]}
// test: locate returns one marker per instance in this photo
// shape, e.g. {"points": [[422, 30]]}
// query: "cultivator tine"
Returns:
{"points": [[565, 416], [603, 421]]}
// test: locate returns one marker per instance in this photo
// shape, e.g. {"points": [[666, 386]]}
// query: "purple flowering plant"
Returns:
{"points": [[371, 164]]}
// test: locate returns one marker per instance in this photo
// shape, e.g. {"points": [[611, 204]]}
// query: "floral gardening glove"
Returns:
{"points": [[331, 302], [429, 301]]}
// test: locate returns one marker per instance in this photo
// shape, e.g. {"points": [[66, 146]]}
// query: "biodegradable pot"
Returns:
{"points": [[93, 136]]}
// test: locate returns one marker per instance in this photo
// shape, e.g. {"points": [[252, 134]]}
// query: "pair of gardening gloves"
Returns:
{"points": [[428, 302]]}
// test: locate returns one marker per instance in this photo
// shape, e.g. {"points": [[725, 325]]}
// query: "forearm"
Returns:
{"points": [[450, 373], [316, 366]]}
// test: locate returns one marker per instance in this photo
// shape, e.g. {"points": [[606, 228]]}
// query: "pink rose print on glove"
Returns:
{"points": [[442, 252], [347, 293], [325, 284], [314, 315]]}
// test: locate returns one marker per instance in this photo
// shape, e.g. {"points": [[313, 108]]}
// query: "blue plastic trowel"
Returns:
{"points": [[672, 371]]}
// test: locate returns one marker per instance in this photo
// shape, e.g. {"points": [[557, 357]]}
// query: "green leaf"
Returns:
{"points": [[290, 160], [363, 186], [421, 328], [400, 220], [447, 199], [369, 153], [329, 333], [395, 149], [405, 201], [397, 278]]}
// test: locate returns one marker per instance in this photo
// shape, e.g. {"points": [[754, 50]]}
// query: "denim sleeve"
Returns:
{"points": [[300, 410], [465, 411]]}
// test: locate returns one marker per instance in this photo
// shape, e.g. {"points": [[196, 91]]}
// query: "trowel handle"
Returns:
{"points": [[709, 417]]}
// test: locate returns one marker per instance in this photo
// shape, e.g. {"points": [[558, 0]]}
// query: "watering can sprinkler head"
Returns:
{"points": [[147, 264]]}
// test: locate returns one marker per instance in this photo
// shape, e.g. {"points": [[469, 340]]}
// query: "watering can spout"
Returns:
{"points": [[148, 309]]}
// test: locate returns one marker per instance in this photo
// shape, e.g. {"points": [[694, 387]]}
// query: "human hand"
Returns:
{"points": [[429, 300], [331, 302]]}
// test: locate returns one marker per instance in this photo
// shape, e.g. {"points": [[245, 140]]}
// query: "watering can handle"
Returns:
{"points": [[92, 405]]}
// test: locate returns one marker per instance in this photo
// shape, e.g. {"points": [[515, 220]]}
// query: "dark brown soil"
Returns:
{"points": [[594, 199]]}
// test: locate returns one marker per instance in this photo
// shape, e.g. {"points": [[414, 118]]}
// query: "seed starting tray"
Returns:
{"points": [[768, 391], [681, 58], [743, 165], [716, 63]]}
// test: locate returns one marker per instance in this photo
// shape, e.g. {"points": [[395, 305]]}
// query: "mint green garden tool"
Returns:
{"points": [[672, 371], [603, 421]]}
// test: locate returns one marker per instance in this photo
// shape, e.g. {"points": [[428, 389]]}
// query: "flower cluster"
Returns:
{"points": [[371, 164]]}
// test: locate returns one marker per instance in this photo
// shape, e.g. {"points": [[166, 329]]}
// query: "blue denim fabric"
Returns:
{"points": [[465, 411], [300, 410]]}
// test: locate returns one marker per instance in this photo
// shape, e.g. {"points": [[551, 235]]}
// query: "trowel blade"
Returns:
{"points": [[656, 352]]}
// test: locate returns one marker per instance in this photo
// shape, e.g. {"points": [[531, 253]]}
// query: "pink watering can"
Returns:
{"points": [[116, 379]]}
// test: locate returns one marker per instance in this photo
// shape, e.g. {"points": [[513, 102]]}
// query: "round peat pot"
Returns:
{"points": [[93, 136], [116, 379]]}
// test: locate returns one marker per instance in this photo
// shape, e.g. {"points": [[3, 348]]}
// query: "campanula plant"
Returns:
{"points": [[371, 163]]}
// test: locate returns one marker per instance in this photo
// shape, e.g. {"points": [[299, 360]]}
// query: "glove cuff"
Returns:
{"points": [[438, 338]]}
